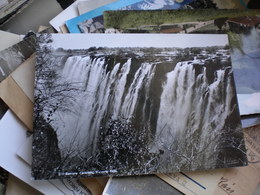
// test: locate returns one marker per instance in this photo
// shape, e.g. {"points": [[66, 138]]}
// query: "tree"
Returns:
{"points": [[220, 22], [51, 96], [125, 148]]}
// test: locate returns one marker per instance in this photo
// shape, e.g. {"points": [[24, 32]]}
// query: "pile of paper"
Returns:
{"points": [[121, 103], [9, 8], [89, 13]]}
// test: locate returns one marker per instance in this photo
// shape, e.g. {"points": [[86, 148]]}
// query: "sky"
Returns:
{"points": [[84, 41]]}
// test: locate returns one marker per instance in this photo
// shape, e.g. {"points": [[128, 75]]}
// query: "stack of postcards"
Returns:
{"points": [[140, 90]]}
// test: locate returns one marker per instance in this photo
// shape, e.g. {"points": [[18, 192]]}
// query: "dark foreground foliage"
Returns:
{"points": [[122, 145]]}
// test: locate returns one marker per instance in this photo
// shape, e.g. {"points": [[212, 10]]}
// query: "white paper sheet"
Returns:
{"points": [[8, 39], [84, 6], [68, 13], [72, 12], [67, 186], [12, 136], [249, 103]]}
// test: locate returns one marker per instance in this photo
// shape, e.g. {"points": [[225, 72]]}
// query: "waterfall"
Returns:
{"points": [[120, 88], [189, 106], [106, 94], [176, 100], [130, 101], [192, 109]]}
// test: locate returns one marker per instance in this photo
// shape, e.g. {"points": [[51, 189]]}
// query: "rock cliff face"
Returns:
{"points": [[47, 154]]}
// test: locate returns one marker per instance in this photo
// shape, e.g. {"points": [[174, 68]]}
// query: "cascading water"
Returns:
{"points": [[105, 94], [190, 102], [183, 106], [193, 113], [130, 100]]}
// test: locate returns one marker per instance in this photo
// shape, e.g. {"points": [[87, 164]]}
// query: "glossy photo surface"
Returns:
{"points": [[134, 104]]}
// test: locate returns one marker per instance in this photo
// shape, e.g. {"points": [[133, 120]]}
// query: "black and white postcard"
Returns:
{"points": [[12, 57], [131, 104]]}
